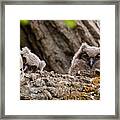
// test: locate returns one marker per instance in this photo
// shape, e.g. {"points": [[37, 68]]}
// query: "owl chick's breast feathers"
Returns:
{"points": [[86, 59]]}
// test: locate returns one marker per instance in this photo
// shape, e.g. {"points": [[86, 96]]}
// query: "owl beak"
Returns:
{"points": [[91, 62]]}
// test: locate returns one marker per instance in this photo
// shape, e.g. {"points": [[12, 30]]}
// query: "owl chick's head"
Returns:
{"points": [[87, 59], [90, 54], [25, 50]]}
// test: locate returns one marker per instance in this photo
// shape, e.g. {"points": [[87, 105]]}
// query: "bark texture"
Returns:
{"points": [[56, 43]]}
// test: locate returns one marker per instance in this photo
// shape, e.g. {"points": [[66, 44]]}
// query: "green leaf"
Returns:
{"points": [[24, 22], [70, 23]]}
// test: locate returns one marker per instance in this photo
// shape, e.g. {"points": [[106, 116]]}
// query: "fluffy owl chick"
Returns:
{"points": [[86, 61], [21, 69], [32, 59], [21, 63]]}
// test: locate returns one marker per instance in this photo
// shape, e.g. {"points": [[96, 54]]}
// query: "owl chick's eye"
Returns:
{"points": [[97, 57], [84, 56]]}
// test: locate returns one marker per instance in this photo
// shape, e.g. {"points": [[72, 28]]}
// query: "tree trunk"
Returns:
{"points": [[56, 43]]}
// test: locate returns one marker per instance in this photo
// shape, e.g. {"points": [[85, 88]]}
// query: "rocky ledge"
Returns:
{"points": [[52, 86]]}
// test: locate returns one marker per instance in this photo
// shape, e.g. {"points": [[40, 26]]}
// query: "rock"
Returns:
{"points": [[34, 90], [48, 94], [52, 86], [39, 83], [53, 91]]}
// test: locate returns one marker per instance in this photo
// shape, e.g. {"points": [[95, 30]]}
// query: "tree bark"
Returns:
{"points": [[56, 43]]}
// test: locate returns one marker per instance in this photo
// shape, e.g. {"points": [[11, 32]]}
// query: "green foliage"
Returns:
{"points": [[70, 23], [24, 22]]}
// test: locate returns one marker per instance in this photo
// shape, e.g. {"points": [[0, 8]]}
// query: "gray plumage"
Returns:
{"points": [[21, 69], [21, 63], [86, 61], [32, 59]]}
